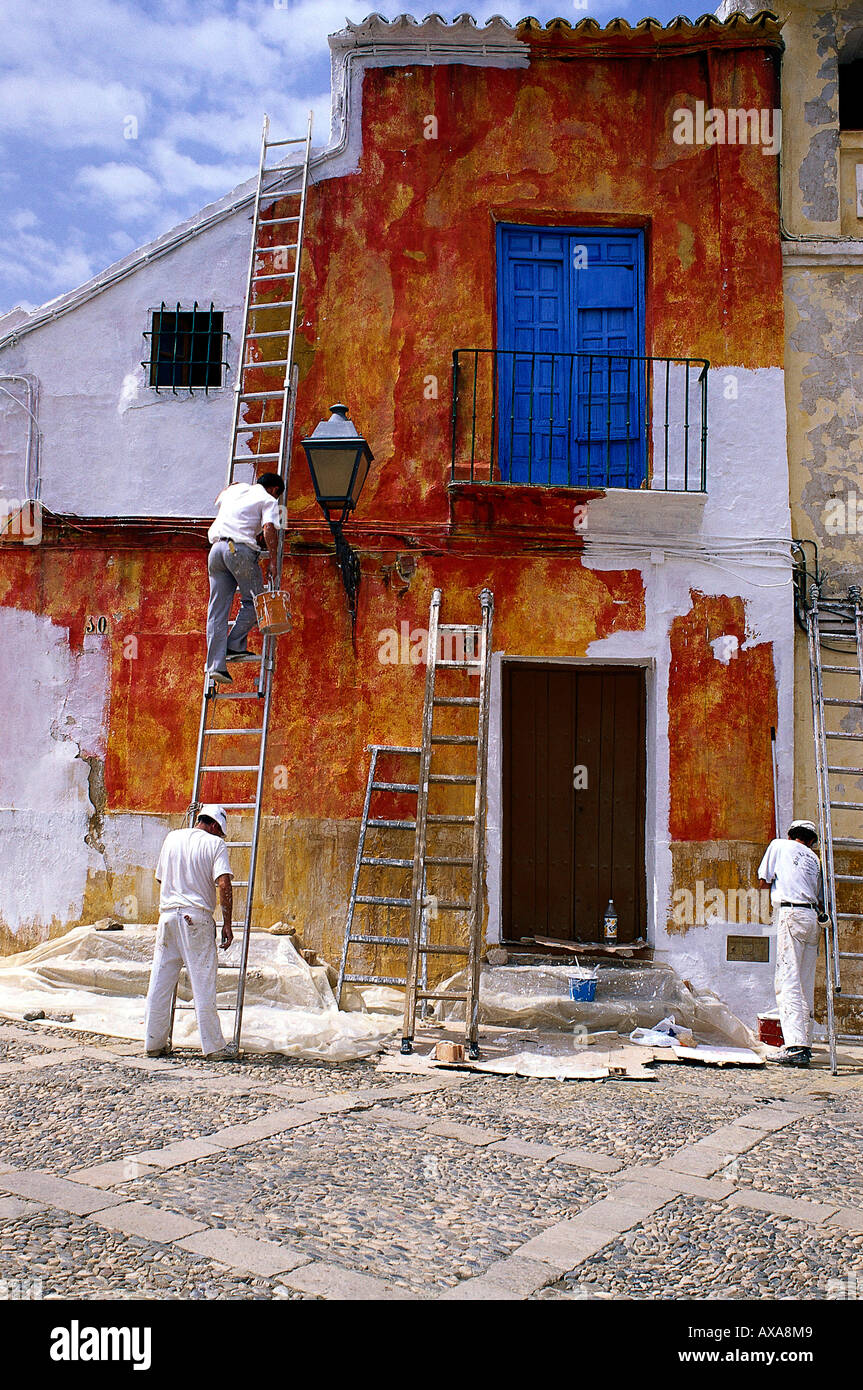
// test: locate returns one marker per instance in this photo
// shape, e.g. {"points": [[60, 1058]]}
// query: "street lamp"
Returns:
{"points": [[339, 461]]}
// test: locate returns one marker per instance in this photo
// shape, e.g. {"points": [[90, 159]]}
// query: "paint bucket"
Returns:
{"points": [[582, 990], [272, 612], [770, 1029]]}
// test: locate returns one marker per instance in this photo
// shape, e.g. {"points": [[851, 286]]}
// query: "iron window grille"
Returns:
{"points": [[187, 348]]}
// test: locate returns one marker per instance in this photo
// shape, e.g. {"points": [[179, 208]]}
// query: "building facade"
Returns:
{"points": [[547, 279]]}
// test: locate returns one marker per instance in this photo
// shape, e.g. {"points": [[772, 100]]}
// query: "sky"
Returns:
{"points": [[121, 118]]}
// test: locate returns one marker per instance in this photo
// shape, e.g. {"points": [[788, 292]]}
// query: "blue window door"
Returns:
{"points": [[571, 378]]}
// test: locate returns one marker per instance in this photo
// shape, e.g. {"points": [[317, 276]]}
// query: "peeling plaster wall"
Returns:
{"points": [[53, 750], [823, 288], [815, 37], [824, 308]]}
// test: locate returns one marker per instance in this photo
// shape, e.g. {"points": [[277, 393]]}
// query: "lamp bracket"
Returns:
{"points": [[348, 563]]}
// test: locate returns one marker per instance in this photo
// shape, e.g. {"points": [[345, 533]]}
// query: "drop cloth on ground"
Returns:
{"points": [[101, 979]]}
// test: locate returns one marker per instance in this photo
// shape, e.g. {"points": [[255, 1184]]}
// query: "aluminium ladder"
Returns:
{"points": [[417, 939], [393, 829], [471, 647], [268, 346], [838, 626]]}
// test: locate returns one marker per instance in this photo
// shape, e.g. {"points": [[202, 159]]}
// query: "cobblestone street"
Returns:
{"points": [[123, 1177]]}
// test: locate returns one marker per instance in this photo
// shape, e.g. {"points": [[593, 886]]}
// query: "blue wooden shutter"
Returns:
{"points": [[535, 320], [608, 317], [570, 419]]}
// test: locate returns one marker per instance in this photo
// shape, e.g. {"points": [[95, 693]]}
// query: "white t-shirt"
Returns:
{"points": [[244, 509], [189, 864], [794, 872]]}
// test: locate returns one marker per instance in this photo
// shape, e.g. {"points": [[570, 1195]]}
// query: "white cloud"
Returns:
{"points": [[181, 175], [23, 220], [68, 111], [32, 261], [235, 127], [130, 192], [121, 244], [197, 75], [301, 30]]}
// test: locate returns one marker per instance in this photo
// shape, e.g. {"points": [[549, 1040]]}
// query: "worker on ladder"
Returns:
{"points": [[193, 866], [245, 511], [792, 871]]}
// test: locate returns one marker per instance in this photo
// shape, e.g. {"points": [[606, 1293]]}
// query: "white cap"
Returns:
{"points": [[804, 825], [216, 813]]}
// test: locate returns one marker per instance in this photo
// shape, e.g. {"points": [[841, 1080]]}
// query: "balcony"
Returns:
{"points": [[579, 420]]}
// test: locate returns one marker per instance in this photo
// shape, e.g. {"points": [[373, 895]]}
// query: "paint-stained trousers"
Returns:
{"points": [[229, 570], [797, 933], [183, 938]]}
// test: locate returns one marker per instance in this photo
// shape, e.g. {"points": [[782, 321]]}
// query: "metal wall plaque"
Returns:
{"points": [[755, 948]]}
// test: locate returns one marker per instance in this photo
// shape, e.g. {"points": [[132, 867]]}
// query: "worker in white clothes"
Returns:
{"points": [[792, 871], [246, 511], [193, 866]]}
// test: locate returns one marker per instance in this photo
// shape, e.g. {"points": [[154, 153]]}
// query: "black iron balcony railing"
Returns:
{"points": [[579, 419]]}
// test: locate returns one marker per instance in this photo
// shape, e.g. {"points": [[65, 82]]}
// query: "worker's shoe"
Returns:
{"points": [[159, 1052], [220, 677], [794, 1057], [243, 656], [226, 1054]]}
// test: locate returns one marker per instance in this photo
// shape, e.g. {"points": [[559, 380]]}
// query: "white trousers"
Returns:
{"points": [[797, 933], [184, 938]]}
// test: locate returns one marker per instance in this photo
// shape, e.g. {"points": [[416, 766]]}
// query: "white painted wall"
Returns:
{"points": [[113, 445], [674, 542]]}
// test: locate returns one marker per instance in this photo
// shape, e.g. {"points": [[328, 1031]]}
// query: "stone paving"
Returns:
{"points": [[85, 1112], [690, 1249], [815, 1161], [315, 1187], [17, 1052], [274, 1178], [547, 1112], [74, 1258]]}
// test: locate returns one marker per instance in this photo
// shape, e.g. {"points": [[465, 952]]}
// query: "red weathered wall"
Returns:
{"points": [[330, 700], [719, 721], [400, 266]]}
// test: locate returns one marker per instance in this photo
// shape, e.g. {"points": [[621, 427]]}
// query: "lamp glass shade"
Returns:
{"points": [[364, 463], [339, 461], [333, 469]]}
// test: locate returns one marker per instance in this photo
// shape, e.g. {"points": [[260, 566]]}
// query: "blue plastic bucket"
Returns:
{"points": [[584, 990]]}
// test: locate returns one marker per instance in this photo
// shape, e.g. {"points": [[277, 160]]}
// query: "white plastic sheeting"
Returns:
{"points": [[101, 979], [627, 997]]}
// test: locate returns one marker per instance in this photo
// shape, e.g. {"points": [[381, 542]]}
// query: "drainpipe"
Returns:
{"points": [[32, 478]]}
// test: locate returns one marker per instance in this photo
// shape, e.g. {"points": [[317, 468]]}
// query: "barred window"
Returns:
{"points": [[187, 348], [851, 95]]}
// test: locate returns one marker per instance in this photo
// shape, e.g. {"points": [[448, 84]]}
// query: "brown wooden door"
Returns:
{"points": [[567, 849]]}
